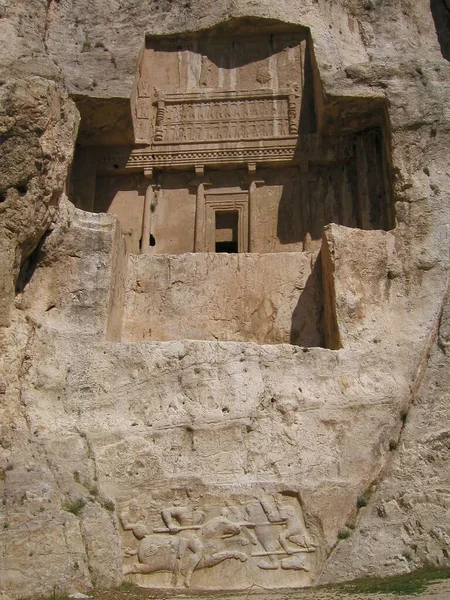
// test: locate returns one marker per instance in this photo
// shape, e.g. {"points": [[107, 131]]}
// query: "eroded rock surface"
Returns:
{"points": [[405, 524], [220, 464]]}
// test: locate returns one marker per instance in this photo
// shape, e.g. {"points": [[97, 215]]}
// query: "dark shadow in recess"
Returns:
{"points": [[306, 323], [29, 265], [441, 16]]}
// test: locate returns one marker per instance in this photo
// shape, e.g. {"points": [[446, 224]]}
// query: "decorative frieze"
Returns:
{"points": [[187, 118]]}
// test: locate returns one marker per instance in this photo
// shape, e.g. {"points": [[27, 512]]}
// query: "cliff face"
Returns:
{"points": [[96, 434]]}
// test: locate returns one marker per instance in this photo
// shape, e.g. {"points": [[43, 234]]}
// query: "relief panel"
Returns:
{"points": [[182, 119], [190, 538]]}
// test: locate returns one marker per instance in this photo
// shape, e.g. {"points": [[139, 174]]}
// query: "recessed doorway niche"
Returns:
{"points": [[227, 231]]}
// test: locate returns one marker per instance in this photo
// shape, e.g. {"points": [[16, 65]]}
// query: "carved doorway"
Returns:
{"points": [[226, 221], [227, 231]]}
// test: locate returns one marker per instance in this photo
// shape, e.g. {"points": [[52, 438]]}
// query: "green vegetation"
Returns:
{"points": [[409, 583], [370, 4], [343, 534], [74, 506], [407, 555], [109, 505], [400, 585], [362, 501], [127, 586]]}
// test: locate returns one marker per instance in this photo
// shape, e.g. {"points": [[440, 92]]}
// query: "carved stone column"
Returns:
{"points": [[252, 223], [147, 216], [199, 241]]}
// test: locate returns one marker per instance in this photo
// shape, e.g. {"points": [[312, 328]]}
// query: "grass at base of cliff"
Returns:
{"points": [[413, 583], [409, 584]]}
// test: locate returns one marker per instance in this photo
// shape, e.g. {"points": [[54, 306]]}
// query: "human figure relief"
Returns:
{"points": [[206, 73], [144, 88], [293, 531], [185, 544], [208, 549], [183, 520], [147, 552], [263, 533], [142, 109]]}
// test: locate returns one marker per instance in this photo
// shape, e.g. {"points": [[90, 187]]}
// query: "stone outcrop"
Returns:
{"points": [[405, 523], [220, 420], [38, 124]]}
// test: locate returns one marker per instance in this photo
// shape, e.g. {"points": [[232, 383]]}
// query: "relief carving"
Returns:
{"points": [[226, 91], [265, 531], [180, 119], [263, 75], [207, 74], [142, 129], [142, 109], [144, 88]]}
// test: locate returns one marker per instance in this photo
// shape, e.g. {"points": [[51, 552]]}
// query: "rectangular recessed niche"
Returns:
{"points": [[227, 222], [226, 215]]}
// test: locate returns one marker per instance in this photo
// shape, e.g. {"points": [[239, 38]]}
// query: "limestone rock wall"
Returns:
{"points": [[38, 124], [88, 425], [405, 524], [100, 431]]}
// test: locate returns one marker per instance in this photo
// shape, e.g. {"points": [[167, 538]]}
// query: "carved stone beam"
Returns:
{"points": [[251, 168]]}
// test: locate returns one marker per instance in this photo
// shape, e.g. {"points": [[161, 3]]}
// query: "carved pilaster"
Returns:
{"points": [[292, 114], [160, 115], [252, 222], [199, 240], [147, 216]]}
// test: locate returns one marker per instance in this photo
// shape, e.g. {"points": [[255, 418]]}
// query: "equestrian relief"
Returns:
{"points": [[253, 539]]}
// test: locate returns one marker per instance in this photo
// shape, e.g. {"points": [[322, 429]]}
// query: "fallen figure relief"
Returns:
{"points": [[190, 540]]}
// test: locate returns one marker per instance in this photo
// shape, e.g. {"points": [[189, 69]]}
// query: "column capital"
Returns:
{"points": [[199, 170]]}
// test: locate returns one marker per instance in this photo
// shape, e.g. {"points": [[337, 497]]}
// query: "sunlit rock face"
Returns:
{"points": [[224, 302]]}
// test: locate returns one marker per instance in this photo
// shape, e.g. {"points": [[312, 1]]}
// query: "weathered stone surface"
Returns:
{"points": [[406, 523], [101, 412], [90, 424], [38, 125], [245, 297]]}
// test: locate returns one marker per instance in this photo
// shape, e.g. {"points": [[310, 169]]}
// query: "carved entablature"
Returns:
{"points": [[275, 150]]}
